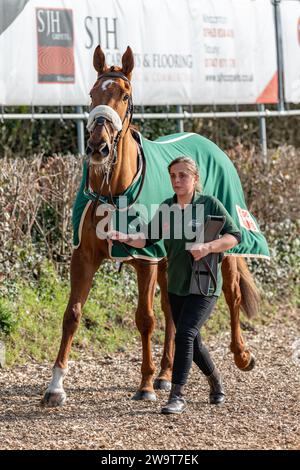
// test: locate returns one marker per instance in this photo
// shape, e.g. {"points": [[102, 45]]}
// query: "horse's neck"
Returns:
{"points": [[124, 170], [127, 164]]}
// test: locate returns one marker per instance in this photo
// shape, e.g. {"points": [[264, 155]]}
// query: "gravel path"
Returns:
{"points": [[262, 410]]}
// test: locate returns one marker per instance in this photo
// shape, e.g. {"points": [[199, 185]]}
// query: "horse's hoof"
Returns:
{"points": [[146, 396], [162, 384], [251, 364], [53, 399]]}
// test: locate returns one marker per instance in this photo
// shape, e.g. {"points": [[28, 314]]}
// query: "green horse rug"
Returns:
{"points": [[218, 176]]}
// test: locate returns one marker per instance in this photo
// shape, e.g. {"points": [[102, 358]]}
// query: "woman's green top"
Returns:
{"points": [[171, 230]]}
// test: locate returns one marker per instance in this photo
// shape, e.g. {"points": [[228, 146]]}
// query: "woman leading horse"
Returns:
{"points": [[112, 166]]}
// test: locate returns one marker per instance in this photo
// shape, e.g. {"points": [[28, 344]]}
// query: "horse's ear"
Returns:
{"points": [[127, 62], [99, 60]]}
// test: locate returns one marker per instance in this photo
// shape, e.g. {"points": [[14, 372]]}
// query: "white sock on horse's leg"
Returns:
{"points": [[56, 384]]}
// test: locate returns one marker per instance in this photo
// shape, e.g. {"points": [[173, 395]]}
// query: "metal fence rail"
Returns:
{"points": [[141, 116], [180, 116]]}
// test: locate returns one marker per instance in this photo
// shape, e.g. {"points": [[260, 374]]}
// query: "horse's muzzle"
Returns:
{"points": [[98, 150]]}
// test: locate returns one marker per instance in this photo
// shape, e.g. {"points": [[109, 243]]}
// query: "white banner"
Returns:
{"points": [[290, 18], [186, 51]]}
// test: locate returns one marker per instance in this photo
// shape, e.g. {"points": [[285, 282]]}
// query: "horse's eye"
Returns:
{"points": [[126, 97]]}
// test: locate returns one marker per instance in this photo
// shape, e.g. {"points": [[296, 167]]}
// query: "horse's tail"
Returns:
{"points": [[250, 295]]}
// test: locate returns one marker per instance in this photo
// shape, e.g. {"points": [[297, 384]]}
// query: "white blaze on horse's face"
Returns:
{"points": [[106, 84]]}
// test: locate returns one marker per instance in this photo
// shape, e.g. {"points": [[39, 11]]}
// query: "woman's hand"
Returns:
{"points": [[136, 240], [200, 250], [120, 236]]}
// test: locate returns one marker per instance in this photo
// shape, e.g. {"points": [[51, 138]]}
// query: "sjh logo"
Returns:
{"points": [[55, 35], [48, 21]]}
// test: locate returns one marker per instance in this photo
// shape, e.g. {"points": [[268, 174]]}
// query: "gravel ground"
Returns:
{"points": [[262, 409]]}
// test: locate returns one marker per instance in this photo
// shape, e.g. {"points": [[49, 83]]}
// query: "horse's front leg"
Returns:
{"points": [[243, 358], [83, 268], [163, 381], [145, 322]]}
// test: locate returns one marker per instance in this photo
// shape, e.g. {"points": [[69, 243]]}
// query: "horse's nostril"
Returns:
{"points": [[104, 149], [88, 150]]}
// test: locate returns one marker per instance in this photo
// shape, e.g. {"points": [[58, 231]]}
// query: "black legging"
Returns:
{"points": [[189, 313]]}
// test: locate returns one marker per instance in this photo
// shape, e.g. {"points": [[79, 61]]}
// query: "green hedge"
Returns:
{"points": [[36, 195]]}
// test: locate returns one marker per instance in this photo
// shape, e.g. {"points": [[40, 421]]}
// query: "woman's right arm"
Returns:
{"points": [[143, 238], [137, 240]]}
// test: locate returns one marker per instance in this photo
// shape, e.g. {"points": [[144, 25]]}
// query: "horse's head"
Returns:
{"points": [[111, 107]]}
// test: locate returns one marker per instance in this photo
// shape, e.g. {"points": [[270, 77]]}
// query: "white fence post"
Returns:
{"points": [[80, 132]]}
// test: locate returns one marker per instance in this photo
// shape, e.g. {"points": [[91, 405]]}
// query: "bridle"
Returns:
{"points": [[116, 122], [100, 116]]}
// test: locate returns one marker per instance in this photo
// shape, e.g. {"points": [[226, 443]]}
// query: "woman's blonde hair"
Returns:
{"points": [[190, 166]]}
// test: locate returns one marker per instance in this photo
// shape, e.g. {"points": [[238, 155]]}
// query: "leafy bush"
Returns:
{"points": [[280, 278], [8, 321], [58, 136], [37, 196], [272, 193]]}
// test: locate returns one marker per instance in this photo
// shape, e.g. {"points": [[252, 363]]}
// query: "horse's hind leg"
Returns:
{"points": [[83, 268], [145, 323], [163, 381], [233, 295]]}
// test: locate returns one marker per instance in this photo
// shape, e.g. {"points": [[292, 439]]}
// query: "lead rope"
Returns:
{"points": [[197, 277]]}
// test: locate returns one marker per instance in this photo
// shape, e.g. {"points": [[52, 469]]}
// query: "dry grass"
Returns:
{"points": [[37, 195]]}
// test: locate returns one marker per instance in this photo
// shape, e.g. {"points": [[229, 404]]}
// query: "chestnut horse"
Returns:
{"points": [[113, 164]]}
